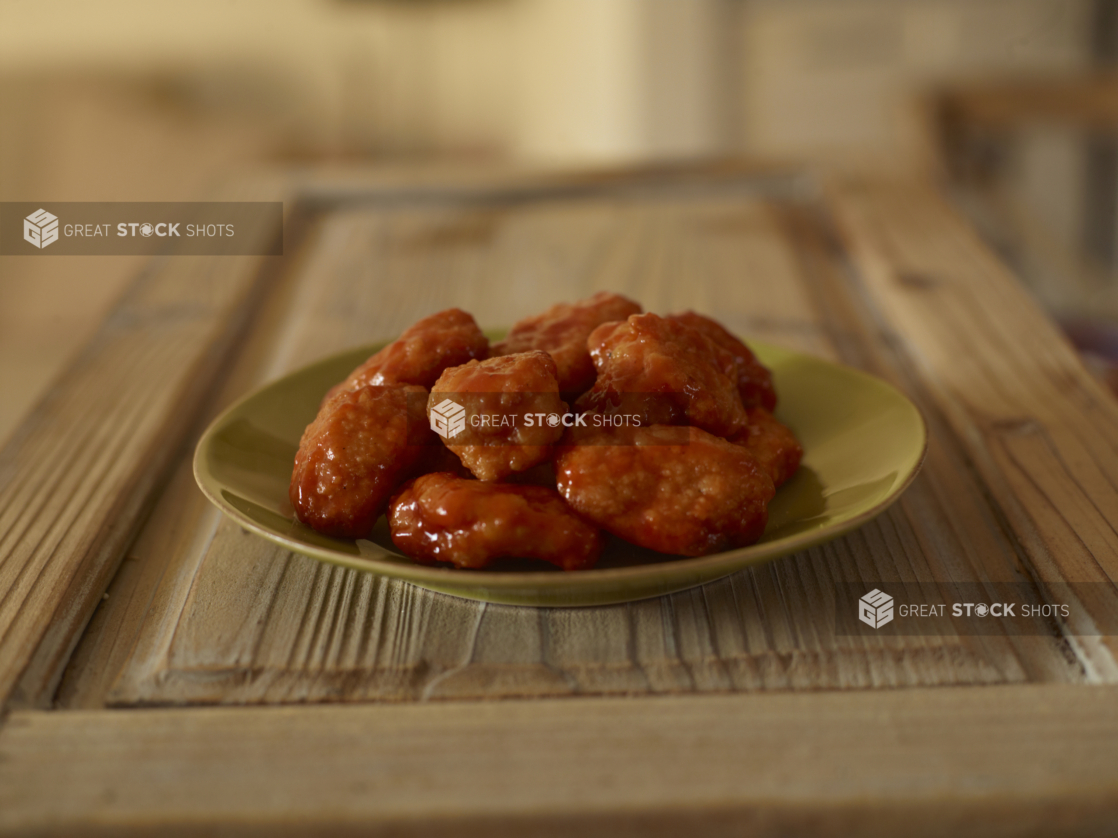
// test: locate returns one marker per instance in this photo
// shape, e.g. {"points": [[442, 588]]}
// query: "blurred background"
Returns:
{"points": [[1009, 103]]}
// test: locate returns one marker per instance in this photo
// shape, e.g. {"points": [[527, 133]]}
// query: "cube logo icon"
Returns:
{"points": [[448, 419], [875, 609], [40, 228]]}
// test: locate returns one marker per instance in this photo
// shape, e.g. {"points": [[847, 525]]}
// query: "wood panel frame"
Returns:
{"points": [[977, 761], [1002, 760]]}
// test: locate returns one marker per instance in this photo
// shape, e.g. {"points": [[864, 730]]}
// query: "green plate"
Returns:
{"points": [[863, 444]]}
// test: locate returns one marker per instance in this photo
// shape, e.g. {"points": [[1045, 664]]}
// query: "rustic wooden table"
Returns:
{"points": [[295, 697]]}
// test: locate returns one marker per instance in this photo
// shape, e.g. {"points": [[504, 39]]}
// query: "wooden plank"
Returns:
{"points": [[1038, 427], [226, 618], [77, 476], [1027, 760], [156, 571], [1088, 102]]}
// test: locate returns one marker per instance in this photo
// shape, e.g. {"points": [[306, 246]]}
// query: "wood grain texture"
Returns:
{"points": [[203, 612], [1007, 761], [79, 473], [1040, 430]]}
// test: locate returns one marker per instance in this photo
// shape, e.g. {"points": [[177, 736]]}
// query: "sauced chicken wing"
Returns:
{"points": [[442, 518], [674, 448], [673, 489], [437, 457], [562, 330], [772, 443], [755, 382], [421, 354], [354, 455], [512, 417], [665, 372], [598, 341]]}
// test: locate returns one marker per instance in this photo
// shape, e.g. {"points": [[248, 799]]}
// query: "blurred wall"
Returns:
{"points": [[572, 80], [839, 78], [622, 79]]}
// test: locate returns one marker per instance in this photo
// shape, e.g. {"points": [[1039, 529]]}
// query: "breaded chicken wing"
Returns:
{"points": [[755, 382], [512, 412], [562, 330], [421, 354], [666, 372], [470, 524], [362, 445], [772, 443], [673, 489]]}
